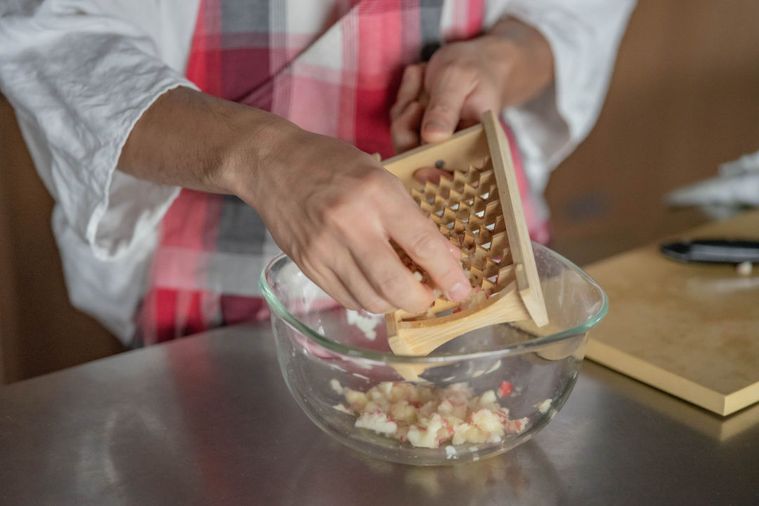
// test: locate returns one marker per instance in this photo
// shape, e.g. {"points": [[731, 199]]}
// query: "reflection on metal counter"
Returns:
{"points": [[208, 420]]}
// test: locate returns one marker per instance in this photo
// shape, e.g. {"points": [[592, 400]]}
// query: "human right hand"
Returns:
{"points": [[334, 210]]}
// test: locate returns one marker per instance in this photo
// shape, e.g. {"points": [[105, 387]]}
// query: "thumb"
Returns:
{"points": [[443, 111]]}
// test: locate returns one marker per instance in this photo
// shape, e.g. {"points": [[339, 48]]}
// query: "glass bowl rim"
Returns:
{"points": [[278, 308]]}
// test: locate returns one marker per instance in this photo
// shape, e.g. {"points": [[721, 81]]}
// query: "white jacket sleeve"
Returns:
{"points": [[79, 77], [584, 36]]}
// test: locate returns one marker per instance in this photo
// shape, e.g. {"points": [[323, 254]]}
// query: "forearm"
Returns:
{"points": [[331, 207], [190, 139]]}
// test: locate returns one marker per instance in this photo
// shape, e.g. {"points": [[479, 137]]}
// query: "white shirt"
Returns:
{"points": [[59, 59]]}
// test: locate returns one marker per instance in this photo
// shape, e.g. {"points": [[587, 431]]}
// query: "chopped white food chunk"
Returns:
{"points": [[365, 324], [378, 422], [426, 437], [744, 268], [336, 386], [430, 417], [544, 406], [488, 398], [357, 400], [341, 407]]}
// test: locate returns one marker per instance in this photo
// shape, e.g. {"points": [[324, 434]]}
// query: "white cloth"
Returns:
{"points": [[734, 189], [60, 59]]}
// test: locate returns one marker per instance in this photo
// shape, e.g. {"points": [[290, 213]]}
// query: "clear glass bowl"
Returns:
{"points": [[324, 349]]}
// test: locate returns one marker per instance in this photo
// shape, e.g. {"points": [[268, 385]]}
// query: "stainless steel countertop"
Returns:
{"points": [[208, 420]]}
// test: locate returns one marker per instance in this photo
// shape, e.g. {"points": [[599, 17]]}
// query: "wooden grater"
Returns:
{"points": [[478, 208]]}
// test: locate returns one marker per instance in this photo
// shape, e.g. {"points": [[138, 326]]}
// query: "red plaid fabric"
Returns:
{"points": [[332, 67]]}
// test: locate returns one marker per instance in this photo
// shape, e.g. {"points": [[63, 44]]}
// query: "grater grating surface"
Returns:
{"points": [[465, 207], [477, 207]]}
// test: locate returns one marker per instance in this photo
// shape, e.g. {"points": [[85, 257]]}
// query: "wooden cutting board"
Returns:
{"points": [[689, 329]]}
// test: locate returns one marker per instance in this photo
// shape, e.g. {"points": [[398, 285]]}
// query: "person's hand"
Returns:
{"points": [[334, 210], [507, 66]]}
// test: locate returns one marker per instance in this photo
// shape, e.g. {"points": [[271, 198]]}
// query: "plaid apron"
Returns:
{"points": [[330, 66]]}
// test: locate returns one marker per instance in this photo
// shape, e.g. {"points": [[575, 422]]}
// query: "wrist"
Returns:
{"points": [[523, 60], [256, 142], [190, 139]]}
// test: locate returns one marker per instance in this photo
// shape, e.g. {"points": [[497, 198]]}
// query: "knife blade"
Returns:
{"points": [[720, 251]]}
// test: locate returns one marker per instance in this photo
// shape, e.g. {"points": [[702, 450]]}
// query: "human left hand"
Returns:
{"points": [[509, 65]]}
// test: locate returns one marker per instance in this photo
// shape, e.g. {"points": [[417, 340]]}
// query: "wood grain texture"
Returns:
{"points": [[690, 330], [528, 281], [711, 425]]}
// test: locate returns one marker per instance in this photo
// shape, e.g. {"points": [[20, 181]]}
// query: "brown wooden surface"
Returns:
{"points": [[528, 281], [689, 329], [684, 98], [39, 330]]}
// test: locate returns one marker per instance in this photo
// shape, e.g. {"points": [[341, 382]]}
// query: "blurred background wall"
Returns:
{"points": [[39, 330], [684, 98]]}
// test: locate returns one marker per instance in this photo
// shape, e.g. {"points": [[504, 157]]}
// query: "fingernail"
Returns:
{"points": [[458, 292], [435, 127]]}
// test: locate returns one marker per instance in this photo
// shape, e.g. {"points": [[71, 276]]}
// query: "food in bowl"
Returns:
{"points": [[430, 417]]}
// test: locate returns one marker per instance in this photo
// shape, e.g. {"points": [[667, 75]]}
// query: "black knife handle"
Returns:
{"points": [[720, 251]]}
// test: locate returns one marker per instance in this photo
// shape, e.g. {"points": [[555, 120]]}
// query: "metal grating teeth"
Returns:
{"points": [[465, 207]]}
